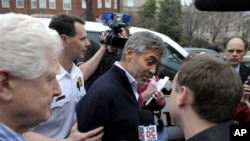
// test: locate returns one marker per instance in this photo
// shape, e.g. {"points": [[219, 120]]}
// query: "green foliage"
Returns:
{"points": [[147, 14], [148, 9], [169, 19]]}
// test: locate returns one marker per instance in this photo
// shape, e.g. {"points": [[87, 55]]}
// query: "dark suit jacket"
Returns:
{"points": [[110, 102], [244, 72], [219, 132]]}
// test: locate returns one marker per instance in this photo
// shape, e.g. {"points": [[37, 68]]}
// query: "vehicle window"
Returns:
{"points": [[95, 36], [199, 50], [170, 63]]}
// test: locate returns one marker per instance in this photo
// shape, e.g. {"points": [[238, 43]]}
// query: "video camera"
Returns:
{"points": [[115, 22]]}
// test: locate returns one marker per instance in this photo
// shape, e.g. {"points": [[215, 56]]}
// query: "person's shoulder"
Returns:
{"points": [[106, 81], [244, 67], [103, 88]]}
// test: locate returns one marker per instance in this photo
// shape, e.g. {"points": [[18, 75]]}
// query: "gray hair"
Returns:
{"points": [[24, 45], [143, 40]]}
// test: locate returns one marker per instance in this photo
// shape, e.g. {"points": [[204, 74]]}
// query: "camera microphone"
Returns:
{"points": [[113, 37], [114, 26]]}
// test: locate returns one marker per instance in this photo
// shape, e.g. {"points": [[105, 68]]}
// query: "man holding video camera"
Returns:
{"points": [[111, 55]]}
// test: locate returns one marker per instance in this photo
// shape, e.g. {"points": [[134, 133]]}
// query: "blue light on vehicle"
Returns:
{"points": [[126, 18], [108, 16], [118, 17]]}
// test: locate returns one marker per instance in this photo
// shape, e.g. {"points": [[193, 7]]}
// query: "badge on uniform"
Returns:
{"points": [[79, 83]]}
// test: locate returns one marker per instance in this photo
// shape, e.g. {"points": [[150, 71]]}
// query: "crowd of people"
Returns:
{"points": [[57, 85]]}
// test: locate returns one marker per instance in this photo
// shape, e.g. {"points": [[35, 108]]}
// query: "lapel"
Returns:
{"points": [[244, 72]]}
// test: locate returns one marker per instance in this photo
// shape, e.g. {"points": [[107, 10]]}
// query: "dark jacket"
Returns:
{"points": [[219, 132], [110, 102], [244, 72]]}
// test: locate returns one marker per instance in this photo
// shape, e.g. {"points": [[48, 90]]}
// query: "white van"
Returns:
{"points": [[169, 65]]}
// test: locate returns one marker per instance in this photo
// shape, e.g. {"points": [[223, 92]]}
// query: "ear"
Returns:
{"points": [[5, 90], [183, 98], [64, 39], [129, 53]]}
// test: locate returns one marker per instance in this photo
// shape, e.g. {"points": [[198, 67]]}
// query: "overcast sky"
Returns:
{"points": [[183, 2]]}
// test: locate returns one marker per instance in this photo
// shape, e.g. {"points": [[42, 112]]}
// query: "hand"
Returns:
{"points": [[159, 97], [104, 35], [246, 92], [151, 88], [92, 135]]}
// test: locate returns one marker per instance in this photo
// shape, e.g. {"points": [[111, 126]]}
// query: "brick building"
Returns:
{"points": [[47, 8]]}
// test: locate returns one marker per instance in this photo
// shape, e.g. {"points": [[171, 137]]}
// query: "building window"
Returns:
{"points": [[33, 4], [107, 3], [115, 4], [42, 4], [99, 4], [52, 4], [5, 3], [84, 5], [19, 4], [66, 4], [130, 3]]}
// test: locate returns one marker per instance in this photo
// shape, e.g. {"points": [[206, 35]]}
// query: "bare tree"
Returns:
{"points": [[217, 24], [192, 21], [212, 27], [170, 20], [147, 15], [246, 27]]}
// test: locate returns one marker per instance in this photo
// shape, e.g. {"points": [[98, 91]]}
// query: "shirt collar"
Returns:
{"points": [[237, 68], [73, 73], [131, 80], [130, 77], [9, 134]]}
